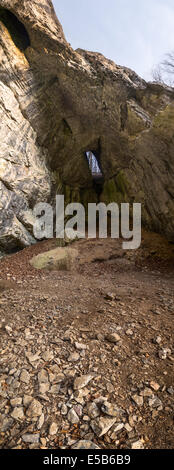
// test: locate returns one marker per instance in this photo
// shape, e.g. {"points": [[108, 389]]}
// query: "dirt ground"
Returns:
{"points": [[109, 291]]}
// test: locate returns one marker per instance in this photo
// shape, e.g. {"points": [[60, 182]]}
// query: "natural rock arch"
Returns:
{"points": [[56, 104]]}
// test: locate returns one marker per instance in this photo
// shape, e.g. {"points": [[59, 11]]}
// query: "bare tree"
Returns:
{"points": [[157, 74], [164, 72], [168, 63]]}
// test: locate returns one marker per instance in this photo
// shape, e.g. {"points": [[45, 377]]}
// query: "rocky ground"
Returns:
{"points": [[87, 355]]}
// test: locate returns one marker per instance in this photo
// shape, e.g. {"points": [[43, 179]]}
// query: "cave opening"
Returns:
{"points": [[16, 29], [94, 165], [96, 171]]}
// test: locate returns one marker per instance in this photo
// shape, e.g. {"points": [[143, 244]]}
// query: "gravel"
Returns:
{"points": [[73, 380]]}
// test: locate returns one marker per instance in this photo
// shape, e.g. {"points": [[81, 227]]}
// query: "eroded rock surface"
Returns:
{"points": [[56, 104]]}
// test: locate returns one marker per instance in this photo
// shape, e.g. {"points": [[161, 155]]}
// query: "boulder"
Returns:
{"points": [[57, 259]]}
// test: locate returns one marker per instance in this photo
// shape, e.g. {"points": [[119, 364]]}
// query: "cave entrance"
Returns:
{"points": [[16, 29], [94, 165], [95, 169]]}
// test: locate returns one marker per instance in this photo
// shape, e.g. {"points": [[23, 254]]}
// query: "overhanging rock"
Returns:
{"points": [[56, 104]]}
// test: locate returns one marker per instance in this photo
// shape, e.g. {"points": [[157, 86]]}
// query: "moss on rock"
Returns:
{"points": [[163, 124]]}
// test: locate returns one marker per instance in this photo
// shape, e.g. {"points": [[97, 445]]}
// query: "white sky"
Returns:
{"points": [[134, 33]]}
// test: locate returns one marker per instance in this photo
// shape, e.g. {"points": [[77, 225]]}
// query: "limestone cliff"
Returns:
{"points": [[56, 104]]}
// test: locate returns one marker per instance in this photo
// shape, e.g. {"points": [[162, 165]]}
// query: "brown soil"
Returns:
{"points": [[140, 285]]}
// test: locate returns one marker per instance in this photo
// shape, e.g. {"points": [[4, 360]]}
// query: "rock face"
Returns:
{"points": [[24, 178], [57, 104]]}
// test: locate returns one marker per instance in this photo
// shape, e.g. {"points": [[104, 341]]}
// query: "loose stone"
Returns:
{"points": [[81, 382]]}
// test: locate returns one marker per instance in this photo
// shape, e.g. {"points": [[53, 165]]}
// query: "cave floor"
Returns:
{"points": [[110, 319]]}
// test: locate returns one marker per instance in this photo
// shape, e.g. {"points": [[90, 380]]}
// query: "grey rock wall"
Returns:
{"points": [[57, 103]]}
